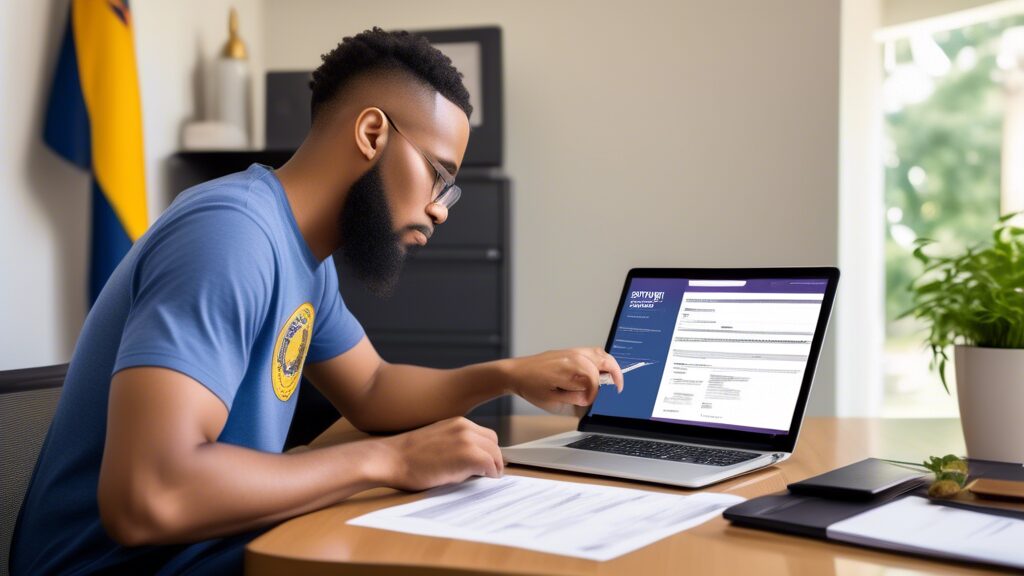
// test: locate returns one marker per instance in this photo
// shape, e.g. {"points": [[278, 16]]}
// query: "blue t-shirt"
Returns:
{"points": [[222, 288]]}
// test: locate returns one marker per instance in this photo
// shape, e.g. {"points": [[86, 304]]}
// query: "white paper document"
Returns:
{"points": [[567, 518], [913, 524]]}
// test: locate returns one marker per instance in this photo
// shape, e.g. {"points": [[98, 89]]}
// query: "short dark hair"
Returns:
{"points": [[376, 50]]}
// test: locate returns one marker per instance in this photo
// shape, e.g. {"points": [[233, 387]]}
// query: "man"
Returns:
{"points": [[165, 451]]}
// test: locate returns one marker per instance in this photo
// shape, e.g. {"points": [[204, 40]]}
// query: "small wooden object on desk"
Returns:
{"points": [[991, 488]]}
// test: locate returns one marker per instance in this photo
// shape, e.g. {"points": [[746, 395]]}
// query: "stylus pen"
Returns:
{"points": [[606, 378]]}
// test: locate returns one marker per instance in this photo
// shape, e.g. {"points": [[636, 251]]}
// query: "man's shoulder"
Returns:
{"points": [[247, 191], [222, 225], [239, 207]]}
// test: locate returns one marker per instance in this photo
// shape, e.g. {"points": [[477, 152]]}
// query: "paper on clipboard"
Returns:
{"points": [[913, 524]]}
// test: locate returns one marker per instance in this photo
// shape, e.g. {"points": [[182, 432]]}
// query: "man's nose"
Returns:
{"points": [[437, 212]]}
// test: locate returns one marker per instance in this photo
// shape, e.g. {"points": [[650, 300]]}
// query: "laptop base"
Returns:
{"points": [[550, 452]]}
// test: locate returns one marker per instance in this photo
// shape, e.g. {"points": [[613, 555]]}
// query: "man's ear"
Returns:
{"points": [[371, 132]]}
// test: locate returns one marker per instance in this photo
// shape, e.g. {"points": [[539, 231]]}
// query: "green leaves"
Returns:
{"points": [[950, 475], [975, 298], [948, 467]]}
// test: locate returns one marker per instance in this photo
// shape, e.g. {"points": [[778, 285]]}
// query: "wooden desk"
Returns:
{"points": [[321, 542]]}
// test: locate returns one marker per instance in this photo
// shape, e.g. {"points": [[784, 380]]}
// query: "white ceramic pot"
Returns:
{"points": [[990, 386]]}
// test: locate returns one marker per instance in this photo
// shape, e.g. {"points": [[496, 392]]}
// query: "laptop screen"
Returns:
{"points": [[726, 354]]}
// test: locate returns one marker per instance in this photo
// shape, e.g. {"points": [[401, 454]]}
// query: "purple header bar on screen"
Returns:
{"points": [[768, 285]]}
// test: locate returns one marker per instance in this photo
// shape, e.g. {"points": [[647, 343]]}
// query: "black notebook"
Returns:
{"points": [[801, 515], [864, 480]]}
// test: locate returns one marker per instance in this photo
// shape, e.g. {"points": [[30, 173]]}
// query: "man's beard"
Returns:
{"points": [[368, 242]]}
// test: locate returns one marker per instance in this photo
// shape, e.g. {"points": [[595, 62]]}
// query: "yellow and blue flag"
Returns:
{"points": [[94, 120]]}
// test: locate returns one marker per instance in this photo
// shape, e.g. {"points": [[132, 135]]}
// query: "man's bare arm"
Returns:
{"points": [[165, 479], [377, 396], [380, 397]]}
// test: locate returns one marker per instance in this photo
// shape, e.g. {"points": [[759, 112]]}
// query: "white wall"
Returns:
{"points": [[44, 202], [641, 133], [860, 307], [645, 133]]}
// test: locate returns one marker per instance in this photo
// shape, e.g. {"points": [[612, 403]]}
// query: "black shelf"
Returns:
{"points": [[230, 158]]}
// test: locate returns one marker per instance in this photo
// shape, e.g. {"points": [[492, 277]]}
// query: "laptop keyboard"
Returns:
{"points": [[662, 450]]}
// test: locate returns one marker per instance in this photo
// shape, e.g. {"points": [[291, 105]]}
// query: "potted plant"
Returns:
{"points": [[975, 303]]}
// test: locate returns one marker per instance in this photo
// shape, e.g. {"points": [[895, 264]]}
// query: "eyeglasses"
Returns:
{"points": [[444, 190]]}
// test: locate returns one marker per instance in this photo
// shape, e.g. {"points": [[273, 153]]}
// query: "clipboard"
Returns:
{"points": [[811, 516]]}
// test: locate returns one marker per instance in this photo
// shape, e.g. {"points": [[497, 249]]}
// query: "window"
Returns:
{"points": [[949, 100]]}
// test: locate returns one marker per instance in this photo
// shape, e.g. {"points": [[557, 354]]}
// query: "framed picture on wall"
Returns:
{"points": [[476, 53]]}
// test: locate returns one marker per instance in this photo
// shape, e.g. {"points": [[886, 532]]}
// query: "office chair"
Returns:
{"points": [[28, 399]]}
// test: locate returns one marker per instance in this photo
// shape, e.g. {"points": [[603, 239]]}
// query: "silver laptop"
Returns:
{"points": [[717, 365]]}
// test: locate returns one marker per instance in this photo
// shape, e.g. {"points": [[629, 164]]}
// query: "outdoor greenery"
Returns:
{"points": [[974, 298], [942, 156], [943, 160]]}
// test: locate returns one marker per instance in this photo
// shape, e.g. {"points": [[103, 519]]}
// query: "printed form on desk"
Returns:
{"points": [[913, 524], [568, 518]]}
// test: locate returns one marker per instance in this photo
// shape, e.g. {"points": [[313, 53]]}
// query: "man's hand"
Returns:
{"points": [[445, 452], [559, 381]]}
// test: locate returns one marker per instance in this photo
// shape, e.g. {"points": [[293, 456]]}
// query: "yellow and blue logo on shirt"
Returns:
{"points": [[290, 351]]}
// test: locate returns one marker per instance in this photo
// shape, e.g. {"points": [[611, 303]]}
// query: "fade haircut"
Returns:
{"points": [[378, 51]]}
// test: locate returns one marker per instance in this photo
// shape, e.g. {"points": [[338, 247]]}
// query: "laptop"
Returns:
{"points": [[717, 367]]}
